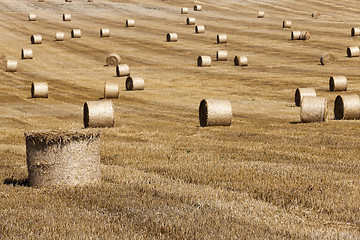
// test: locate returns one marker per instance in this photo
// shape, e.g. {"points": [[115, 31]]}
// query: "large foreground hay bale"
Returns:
{"points": [[184, 10], [98, 114], [130, 22], [11, 66], [26, 53], [215, 112], [63, 158], [301, 92], [221, 55], [197, 8], [39, 90], [36, 39], [111, 90], [134, 83], [32, 17], [313, 109], [353, 51], [171, 37], [241, 61], [104, 32], [347, 107], [327, 58], [190, 21], [355, 32], [199, 29], [59, 36], [204, 61], [122, 70], [338, 83], [113, 59], [66, 17], [221, 38], [76, 33], [261, 14], [286, 24]]}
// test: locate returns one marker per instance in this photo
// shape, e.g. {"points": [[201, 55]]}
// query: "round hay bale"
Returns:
{"points": [[215, 112], [39, 90], [301, 92], [241, 61], [130, 23], [347, 107], [63, 158], [204, 61], [26, 53], [66, 17], [327, 58], [199, 29], [338, 83], [315, 14], [11, 66], [36, 39], [111, 90], [76, 33], [184, 10], [286, 24], [295, 35], [221, 55], [355, 32], [59, 36], [32, 17], [104, 32], [134, 83], [197, 8], [113, 59], [122, 70], [313, 109], [190, 21], [261, 14], [98, 114], [305, 35], [171, 37], [221, 38], [353, 51]]}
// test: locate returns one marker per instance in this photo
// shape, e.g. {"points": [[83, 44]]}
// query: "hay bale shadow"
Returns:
{"points": [[17, 182]]}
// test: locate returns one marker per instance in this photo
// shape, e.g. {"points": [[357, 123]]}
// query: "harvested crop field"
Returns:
{"points": [[266, 176]]}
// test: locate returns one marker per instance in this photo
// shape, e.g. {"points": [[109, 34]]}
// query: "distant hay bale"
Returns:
{"points": [[241, 61], [315, 14], [190, 21], [327, 58], [199, 29], [355, 32], [39, 90], [184, 10], [59, 36], [347, 107], [301, 35], [63, 158], [122, 70], [261, 14], [111, 90], [130, 22], [171, 37], [66, 17], [113, 59], [221, 38], [353, 51], [134, 83], [11, 66], [338, 83], [300, 93], [197, 8], [286, 24], [221, 55], [215, 112], [36, 39], [204, 61], [32, 17], [104, 32], [76, 33], [295, 35], [313, 109], [26, 53], [98, 114]]}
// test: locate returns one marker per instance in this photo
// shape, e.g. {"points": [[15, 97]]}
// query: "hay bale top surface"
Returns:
{"points": [[60, 136]]}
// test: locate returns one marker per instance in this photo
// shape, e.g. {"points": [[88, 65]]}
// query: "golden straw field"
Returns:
{"points": [[267, 176]]}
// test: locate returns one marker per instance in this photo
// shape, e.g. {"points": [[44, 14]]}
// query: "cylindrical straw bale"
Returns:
{"points": [[353, 51], [204, 61], [313, 109], [134, 83], [26, 53], [111, 90], [347, 107], [59, 36], [337, 83], [295, 35], [63, 158], [104, 32], [241, 61], [315, 14], [286, 24], [39, 90], [197, 8], [130, 22], [199, 29], [113, 59], [327, 58], [305, 35], [184, 10], [76, 33], [36, 39], [301, 92], [66, 17], [215, 112], [221, 38], [261, 14], [190, 21], [98, 114], [355, 32], [32, 17], [11, 65], [171, 37], [122, 70], [221, 55]]}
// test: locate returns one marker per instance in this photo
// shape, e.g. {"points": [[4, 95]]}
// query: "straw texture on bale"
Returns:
{"points": [[11, 65], [241, 61], [221, 38], [190, 21], [347, 107], [197, 8], [76, 33], [221, 55], [130, 22], [104, 32], [98, 114], [171, 37], [261, 14], [338, 83], [215, 112], [39, 90], [59, 36], [295, 35], [63, 158], [26, 53], [353, 51], [36, 39], [32, 17], [315, 14], [113, 59], [122, 70], [327, 58], [301, 92], [66, 17], [204, 61], [184, 10], [286, 24], [301, 35], [199, 29], [134, 83], [355, 32], [111, 90], [313, 109]]}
